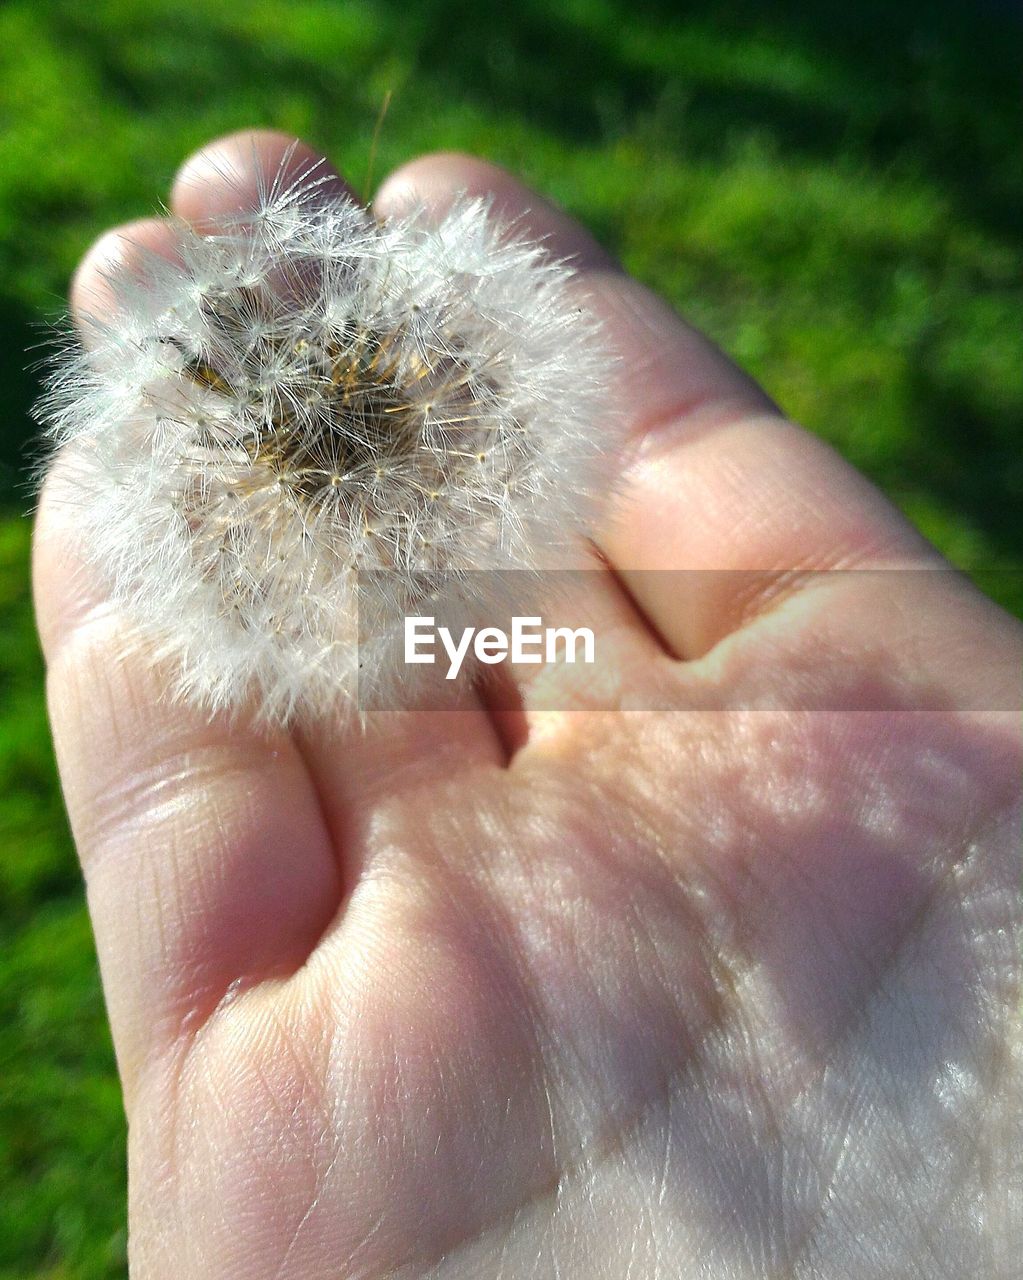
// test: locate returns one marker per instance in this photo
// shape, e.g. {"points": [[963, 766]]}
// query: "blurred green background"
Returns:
{"points": [[832, 191]]}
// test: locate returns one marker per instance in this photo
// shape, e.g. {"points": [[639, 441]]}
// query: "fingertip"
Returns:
{"points": [[436, 180], [233, 174], [92, 292]]}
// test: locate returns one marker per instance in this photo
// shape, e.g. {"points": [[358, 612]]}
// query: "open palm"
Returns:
{"points": [[714, 975]]}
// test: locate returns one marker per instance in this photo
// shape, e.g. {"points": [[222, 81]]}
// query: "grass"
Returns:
{"points": [[832, 191]]}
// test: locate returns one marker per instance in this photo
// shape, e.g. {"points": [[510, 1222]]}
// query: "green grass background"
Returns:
{"points": [[833, 191]]}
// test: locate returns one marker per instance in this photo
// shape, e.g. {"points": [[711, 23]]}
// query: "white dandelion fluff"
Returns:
{"points": [[305, 399]]}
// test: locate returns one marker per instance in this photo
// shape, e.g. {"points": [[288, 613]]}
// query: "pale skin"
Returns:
{"points": [[724, 986]]}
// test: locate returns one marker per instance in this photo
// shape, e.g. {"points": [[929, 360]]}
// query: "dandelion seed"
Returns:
{"points": [[305, 397]]}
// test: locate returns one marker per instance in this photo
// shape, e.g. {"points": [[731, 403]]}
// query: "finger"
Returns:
{"points": [[206, 859], [435, 180], [355, 764], [715, 482], [235, 174], [592, 598], [94, 294]]}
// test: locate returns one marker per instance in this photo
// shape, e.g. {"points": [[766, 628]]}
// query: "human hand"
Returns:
{"points": [[728, 986]]}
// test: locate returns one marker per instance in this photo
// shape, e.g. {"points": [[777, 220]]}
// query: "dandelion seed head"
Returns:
{"points": [[302, 396]]}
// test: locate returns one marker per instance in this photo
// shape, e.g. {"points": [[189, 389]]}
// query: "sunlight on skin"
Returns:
{"points": [[727, 993]]}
